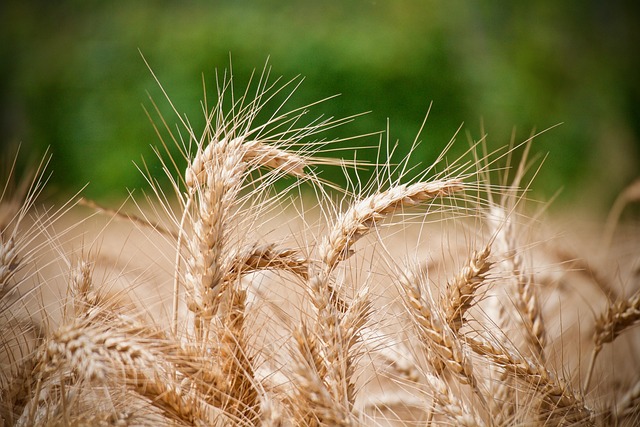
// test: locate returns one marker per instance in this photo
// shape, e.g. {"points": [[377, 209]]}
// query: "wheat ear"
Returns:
{"points": [[443, 346], [9, 262], [238, 385], [15, 207], [559, 403], [255, 153], [216, 197], [528, 304], [616, 319], [104, 355], [314, 404], [269, 256], [448, 405], [336, 328], [327, 357], [363, 215], [459, 294]]}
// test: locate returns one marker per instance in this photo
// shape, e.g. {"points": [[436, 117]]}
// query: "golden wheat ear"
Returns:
{"points": [[618, 317]]}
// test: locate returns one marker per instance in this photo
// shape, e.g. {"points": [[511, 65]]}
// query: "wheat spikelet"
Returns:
{"points": [[81, 286]]}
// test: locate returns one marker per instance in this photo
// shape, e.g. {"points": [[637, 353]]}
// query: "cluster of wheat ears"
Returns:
{"points": [[256, 293]]}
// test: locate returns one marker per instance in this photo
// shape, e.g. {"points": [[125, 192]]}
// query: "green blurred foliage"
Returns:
{"points": [[73, 78]]}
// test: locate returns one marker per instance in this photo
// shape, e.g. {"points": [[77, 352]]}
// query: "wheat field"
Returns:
{"points": [[252, 291]]}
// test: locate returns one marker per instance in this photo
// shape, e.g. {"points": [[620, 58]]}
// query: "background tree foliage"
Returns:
{"points": [[72, 78]]}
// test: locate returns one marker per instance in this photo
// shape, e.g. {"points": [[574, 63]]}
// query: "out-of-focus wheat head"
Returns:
{"points": [[253, 292]]}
